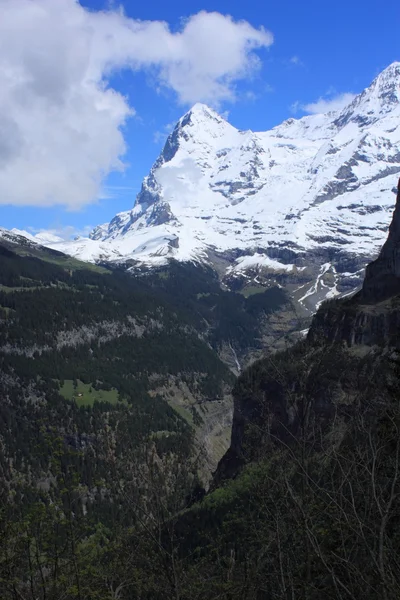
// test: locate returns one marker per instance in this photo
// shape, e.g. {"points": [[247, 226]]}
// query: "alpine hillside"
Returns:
{"points": [[306, 500], [305, 205]]}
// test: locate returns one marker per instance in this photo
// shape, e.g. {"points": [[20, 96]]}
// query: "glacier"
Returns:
{"points": [[306, 204]]}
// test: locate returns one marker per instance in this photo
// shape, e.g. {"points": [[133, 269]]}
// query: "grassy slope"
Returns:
{"points": [[85, 395]]}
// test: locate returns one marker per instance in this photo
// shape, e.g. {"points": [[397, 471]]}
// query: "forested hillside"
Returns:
{"points": [[101, 466], [114, 402], [306, 502], [163, 333]]}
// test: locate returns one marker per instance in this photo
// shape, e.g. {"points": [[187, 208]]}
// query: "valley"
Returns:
{"points": [[200, 400], [110, 494]]}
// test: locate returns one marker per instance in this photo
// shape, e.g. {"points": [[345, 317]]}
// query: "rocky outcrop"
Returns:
{"points": [[316, 385], [382, 278], [358, 325], [372, 316]]}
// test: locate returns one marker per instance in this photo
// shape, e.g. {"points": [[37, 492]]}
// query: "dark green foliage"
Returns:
{"points": [[197, 293], [104, 502], [316, 513], [182, 301], [138, 327], [266, 302], [72, 478]]}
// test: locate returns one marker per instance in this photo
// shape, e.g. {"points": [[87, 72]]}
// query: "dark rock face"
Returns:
{"points": [[287, 396], [354, 324], [174, 243], [172, 144], [320, 378], [372, 316], [160, 214], [382, 278]]}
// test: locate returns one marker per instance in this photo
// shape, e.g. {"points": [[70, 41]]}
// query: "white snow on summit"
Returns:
{"points": [[316, 186], [45, 238]]}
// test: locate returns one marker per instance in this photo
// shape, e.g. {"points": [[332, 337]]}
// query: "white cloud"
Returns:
{"points": [[295, 107], [251, 96], [61, 124], [295, 60], [327, 104]]}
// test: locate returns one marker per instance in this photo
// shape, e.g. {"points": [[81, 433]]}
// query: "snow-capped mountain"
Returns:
{"points": [[22, 237], [306, 204], [45, 238]]}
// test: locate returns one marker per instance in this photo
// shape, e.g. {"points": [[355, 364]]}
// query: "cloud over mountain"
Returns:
{"points": [[61, 122], [328, 104]]}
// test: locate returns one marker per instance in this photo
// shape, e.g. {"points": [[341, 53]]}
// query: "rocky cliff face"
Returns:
{"points": [[372, 316], [347, 354], [382, 278]]}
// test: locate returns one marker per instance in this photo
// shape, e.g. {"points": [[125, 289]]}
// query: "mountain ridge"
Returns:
{"points": [[100, 490], [304, 204], [353, 343], [305, 502]]}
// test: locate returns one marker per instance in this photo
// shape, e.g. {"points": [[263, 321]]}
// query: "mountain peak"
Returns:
{"points": [[202, 111], [393, 70], [306, 202], [387, 84], [376, 101], [202, 115], [201, 124]]}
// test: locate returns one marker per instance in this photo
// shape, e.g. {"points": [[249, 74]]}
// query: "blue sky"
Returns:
{"points": [[319, 52]]}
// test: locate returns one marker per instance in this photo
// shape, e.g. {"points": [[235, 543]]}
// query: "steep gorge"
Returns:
{"points": [[350, 343], [305, 503]]}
